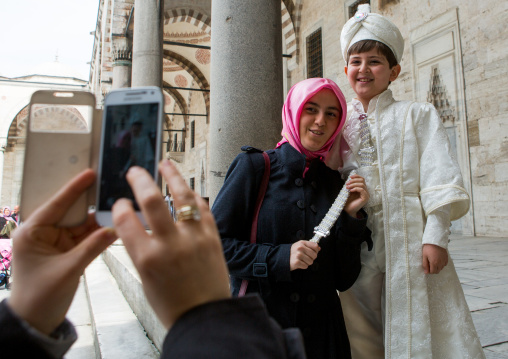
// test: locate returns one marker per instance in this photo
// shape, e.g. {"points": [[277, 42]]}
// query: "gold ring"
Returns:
{"points": [[187, 212]]}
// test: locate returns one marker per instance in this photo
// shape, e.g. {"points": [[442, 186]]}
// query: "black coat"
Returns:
{"points": [[293, 205], [225, 329]]}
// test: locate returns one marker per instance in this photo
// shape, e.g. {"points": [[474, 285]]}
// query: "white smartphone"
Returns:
{"points": [[58, 147], [131, 136]]}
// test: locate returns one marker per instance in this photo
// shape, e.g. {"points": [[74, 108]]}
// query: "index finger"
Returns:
{"points": [[58, 205], [312, 246], [181, 193], [149, 198], [129, 227]]}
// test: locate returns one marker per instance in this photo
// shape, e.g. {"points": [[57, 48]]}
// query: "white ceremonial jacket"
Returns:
{"points": [[426, 315]]}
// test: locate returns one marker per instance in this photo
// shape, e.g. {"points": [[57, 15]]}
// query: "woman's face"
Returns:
{"points": [[7, 212], [319, 119]]}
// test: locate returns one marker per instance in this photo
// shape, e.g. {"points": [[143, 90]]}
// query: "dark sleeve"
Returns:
{"points": [[232, 328], [351, 233], [19, 340], [233, 210]]}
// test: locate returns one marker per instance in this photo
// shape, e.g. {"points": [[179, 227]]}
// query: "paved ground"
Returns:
{"points": [[482, 267]]}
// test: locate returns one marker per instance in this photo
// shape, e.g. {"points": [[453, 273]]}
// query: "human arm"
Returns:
{"points": [[440, 178], [358, 195], [442, 193], [243, 322], [303, 254], [185, 278], [20, 340], [233, 210], [181, 264], [349, 237], [350, 232], [435, 240], [49, 260], [434, 258]]}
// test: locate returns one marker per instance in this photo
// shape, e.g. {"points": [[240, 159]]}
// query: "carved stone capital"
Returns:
{"points": [[122, 51]]}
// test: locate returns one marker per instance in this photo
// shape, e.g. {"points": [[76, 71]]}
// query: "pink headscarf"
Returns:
{"points": [[297, 97]]}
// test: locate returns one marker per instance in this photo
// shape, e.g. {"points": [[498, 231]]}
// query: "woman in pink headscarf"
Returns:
{"points": [[297, 279]]}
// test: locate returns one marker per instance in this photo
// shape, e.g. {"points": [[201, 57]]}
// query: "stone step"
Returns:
{"points": [[117, 333], [129, 282], [79, 315]]}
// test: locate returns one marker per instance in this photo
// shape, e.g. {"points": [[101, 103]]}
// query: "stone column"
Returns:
{"points": [[246, 82], [147, 43], [122, 62]]}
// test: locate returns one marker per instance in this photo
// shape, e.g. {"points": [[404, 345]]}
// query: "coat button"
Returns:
{"points": [[300, 235], [311, 298], [301, 204], [313, 208], [299, 182], [294, 297]]}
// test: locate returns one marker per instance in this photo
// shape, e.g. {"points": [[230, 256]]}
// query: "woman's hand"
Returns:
{"points": [[48, 260], [303, 254], [181, 264], [434, 259], [358, 195]]}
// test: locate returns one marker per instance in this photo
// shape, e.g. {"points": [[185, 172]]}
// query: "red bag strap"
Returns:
{"points": [[259, 202]]}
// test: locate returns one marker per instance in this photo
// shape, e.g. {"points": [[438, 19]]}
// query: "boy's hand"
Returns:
{"points": [[303, 254], [358, 195], [435, 258]]}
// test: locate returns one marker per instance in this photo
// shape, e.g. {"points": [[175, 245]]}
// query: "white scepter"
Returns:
{"points": [[366, 155]]}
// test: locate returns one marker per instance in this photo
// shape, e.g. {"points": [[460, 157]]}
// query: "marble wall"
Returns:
{"points": [[466, 40]]}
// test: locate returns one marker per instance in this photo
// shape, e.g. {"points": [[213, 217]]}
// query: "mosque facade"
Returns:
{"points": [[454, 57], [15, 94]]}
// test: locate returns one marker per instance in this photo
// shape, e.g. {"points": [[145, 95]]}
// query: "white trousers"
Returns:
{"points": [[364, 303]]}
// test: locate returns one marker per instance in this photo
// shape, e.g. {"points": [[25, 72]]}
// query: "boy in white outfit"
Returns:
{"points": [[408, 301]]}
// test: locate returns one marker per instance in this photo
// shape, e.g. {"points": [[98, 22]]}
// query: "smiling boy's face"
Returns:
{"points": [[369, 74]]}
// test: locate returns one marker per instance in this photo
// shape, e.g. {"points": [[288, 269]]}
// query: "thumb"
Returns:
{"points": [[426, 264], [93, 245]]}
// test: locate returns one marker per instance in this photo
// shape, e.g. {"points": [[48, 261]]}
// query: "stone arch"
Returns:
{"points": [[179, 100], [17, 129], [196, 74], [194, 17], [291, 17], [58, 118]]}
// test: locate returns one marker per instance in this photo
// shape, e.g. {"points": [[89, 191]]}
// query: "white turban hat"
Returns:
{"points": [[370, 26]]}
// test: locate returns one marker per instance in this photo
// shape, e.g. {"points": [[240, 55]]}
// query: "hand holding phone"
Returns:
{"points": [[131, 136]]}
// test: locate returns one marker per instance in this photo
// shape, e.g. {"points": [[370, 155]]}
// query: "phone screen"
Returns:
{"points": [[129, 139]]}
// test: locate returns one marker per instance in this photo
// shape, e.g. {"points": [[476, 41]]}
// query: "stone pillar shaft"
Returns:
{"points": [[246, 81], [147, 43], [122, 63], [121, 74]]}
